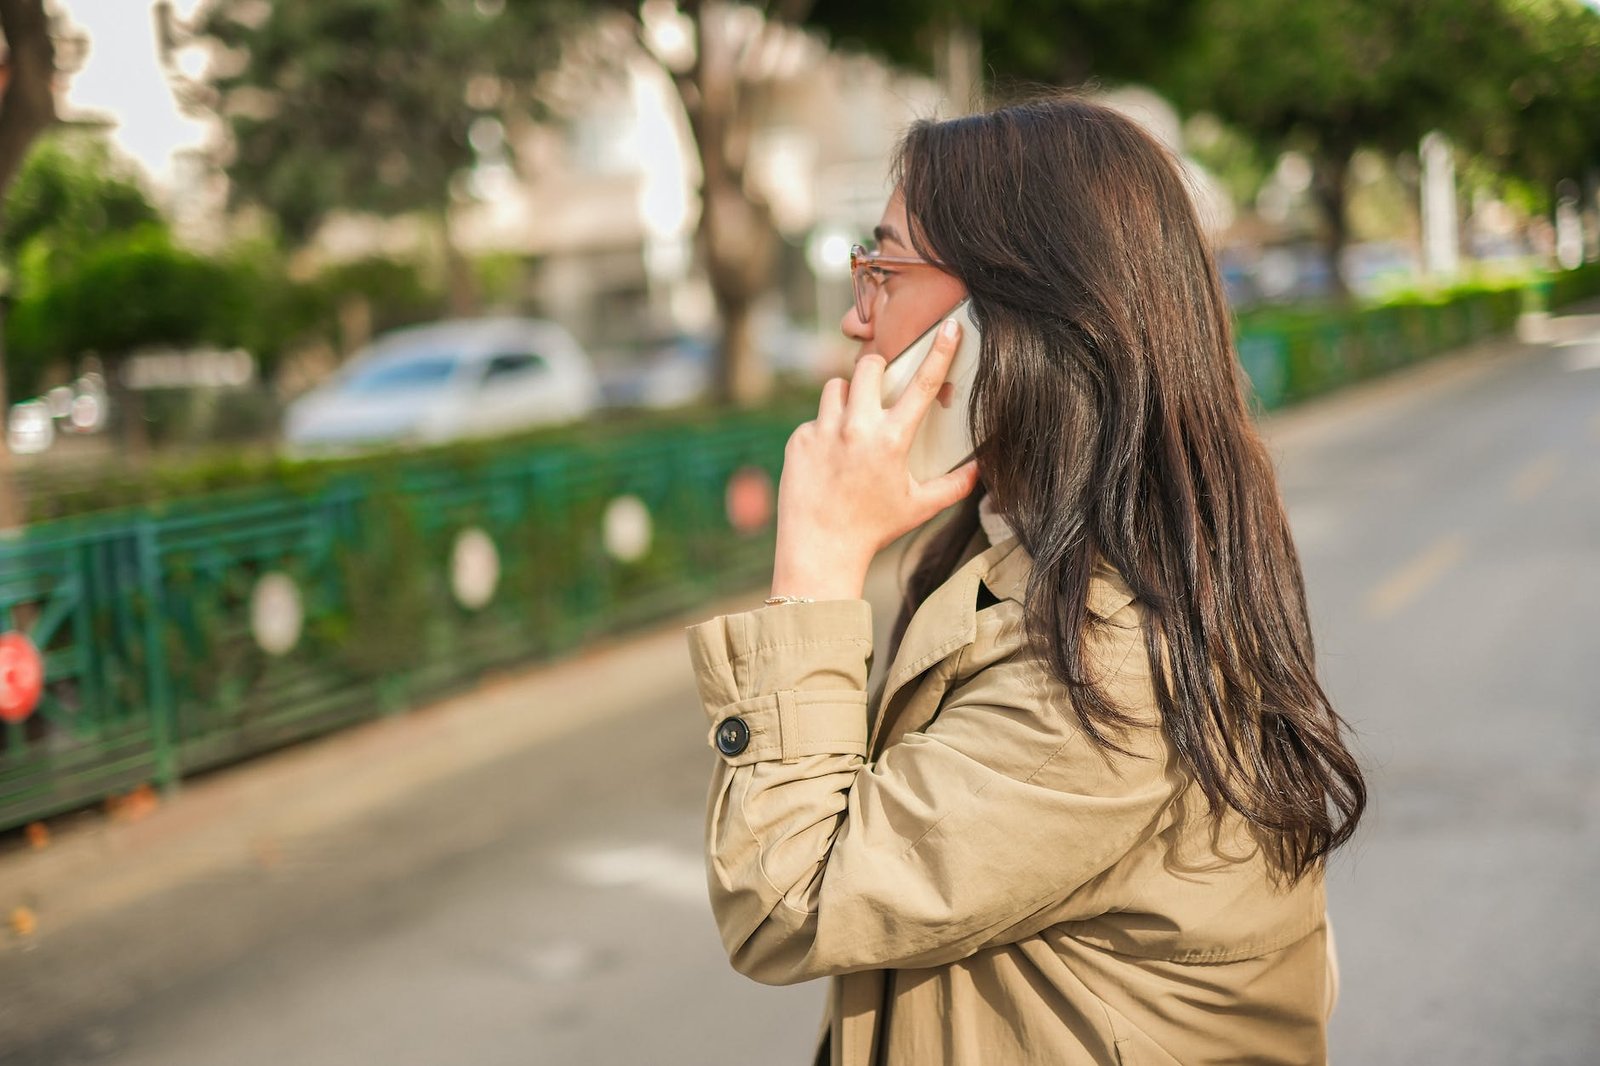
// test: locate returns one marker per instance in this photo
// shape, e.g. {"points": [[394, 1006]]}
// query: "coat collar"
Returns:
{"points": [[948, 619]]}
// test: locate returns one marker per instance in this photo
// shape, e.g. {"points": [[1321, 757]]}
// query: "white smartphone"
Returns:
{"points": [[943, 441]]}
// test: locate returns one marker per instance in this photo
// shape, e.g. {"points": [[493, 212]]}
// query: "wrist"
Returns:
{"points": [[811, 581], [816, 589]]}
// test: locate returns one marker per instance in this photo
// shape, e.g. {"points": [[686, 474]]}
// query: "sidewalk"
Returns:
{"points": [[246, 816]]}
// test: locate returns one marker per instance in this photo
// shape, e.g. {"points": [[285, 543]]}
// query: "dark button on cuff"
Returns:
{"points": [[733, 736]]}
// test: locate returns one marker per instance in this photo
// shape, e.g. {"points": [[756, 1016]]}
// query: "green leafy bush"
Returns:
{"points": [[1293, 353]]}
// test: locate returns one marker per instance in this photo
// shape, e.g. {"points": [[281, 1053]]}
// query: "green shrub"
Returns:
{"points": [[1293, 353], [1571, 286]]}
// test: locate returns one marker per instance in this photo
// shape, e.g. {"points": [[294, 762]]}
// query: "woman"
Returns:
{"points": [[1088, 820]]}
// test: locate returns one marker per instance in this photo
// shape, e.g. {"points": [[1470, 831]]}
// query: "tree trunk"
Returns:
{"points": [[748, 377], [27, 108], [737, 238], [28, 104], [461, 288], [135, 428], [737, 242], [355, 324], [1330, 189], [13, 514], [1407, 171], [958, 65]]}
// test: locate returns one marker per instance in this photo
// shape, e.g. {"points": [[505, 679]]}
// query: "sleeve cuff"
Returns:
{"points": [[798, 647], [788, 726]]}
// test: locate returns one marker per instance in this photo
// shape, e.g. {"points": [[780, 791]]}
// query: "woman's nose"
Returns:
{"points": [[852, 326]]}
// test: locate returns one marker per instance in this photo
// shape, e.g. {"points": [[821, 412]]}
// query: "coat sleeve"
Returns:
{"points": [[820, 863]]}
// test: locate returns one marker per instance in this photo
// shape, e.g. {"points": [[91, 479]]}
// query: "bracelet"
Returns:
{"points": [[774, 601]]}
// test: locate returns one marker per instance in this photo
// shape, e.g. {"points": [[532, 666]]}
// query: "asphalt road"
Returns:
{"points": [[549, 906], [1451, 541]]}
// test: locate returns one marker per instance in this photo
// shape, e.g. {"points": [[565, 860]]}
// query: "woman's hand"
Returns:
{"points": [[846, 490]]}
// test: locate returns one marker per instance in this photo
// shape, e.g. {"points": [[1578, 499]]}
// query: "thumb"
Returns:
{"points": [[945, 490]]}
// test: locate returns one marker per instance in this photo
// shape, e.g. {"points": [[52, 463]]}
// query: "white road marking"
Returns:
{"points": [[655, 868], [1580, 355], [1536, 476], [1411, 580], [560, 962]]}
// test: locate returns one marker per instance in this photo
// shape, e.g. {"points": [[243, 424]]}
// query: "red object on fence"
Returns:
{"points": [[749, 499], [21, 677]]}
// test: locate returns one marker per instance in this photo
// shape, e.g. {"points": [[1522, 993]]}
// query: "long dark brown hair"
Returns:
{"points": [[1115, 424]]}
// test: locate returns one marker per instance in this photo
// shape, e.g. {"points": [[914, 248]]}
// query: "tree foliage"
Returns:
{"points": [[1351, 73], [70, 197], [1546, 129], [1338, 75], [1046, 42], [72, 192], [368, 105], [129, 291]]}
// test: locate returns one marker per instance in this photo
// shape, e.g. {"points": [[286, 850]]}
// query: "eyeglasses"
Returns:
{"points": [[867, 275]]}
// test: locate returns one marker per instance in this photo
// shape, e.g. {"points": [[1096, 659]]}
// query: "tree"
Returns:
{"points": [[1339, 75], [369, 105], [72, 191], [129, 291], [28, 104], [736, 236], [1050, 42], [721, 92], [27, 108], [1545, 132], [71, 195]]}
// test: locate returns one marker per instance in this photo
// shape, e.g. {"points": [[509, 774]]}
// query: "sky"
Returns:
{"points": [[122, 78]]}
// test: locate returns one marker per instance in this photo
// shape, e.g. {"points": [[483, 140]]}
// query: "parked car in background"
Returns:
{"points": [[446, 381], [664, 372], [680, 368], [1373, 268]]}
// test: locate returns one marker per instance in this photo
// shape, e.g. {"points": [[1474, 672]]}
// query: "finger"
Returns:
{"points": [[830, 409], [930, 376], [940, 492], [865, 399]]}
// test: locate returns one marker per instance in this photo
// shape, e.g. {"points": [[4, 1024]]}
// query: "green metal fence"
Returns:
{"points": [[155, 628]]}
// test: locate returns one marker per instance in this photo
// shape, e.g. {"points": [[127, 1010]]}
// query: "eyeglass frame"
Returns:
{"points": [[862, 261]]}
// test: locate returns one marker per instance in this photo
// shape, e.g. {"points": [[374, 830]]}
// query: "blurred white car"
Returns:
{"points": [[680, 368], [445, 381]]}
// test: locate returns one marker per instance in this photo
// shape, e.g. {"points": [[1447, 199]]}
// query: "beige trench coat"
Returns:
{"points": [[981, 883]]}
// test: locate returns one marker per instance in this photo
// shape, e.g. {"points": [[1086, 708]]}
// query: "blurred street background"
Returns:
{"points": [[387, 382]]}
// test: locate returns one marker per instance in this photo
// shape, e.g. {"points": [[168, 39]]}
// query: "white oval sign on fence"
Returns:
{"points": [[276, 613], [627, 528], [474, 568]]}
